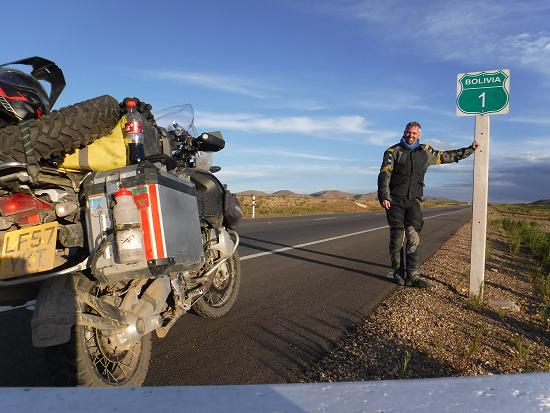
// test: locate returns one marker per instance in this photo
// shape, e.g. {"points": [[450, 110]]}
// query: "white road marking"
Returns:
{"points": [[324, 219], [29, 305], [261, 254]]}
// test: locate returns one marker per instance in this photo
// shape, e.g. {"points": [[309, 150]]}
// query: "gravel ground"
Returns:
{"points": [[439, 331]]}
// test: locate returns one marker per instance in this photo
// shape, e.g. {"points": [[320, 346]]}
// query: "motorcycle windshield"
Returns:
{"points": [[183, 117], [175, 117]]}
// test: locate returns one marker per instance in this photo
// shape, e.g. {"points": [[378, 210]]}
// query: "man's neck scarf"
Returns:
{"points": [[405, 145]]}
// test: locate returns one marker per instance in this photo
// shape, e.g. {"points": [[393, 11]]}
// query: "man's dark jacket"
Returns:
{"points": [[402, 172]]}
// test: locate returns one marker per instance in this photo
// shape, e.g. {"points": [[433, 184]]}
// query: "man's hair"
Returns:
{"points": [[413, 123]]}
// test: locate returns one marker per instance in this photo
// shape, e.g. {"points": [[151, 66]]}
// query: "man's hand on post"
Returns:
{"points": [[475, 145]]}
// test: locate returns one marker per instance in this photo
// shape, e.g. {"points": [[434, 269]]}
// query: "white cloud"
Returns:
{"points": [[309, 105], [383, 137], [275, 152], [337, 127], [530, 150], [399, 100], [309, 171], [527, 119], [474, 32], [233, 84], [529, 50]]}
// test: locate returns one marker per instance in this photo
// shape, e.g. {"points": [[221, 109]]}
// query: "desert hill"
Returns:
{"points": [[333, 194], [336, 194], [287, 193], [252, 192]]}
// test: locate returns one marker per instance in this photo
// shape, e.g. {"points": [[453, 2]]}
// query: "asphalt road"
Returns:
{"points": [[305, 281]]}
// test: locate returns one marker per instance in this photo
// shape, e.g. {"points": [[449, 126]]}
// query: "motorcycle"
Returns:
{"points": [[62, 243]]}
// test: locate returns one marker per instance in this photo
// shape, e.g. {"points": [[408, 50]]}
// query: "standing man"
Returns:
{"points": [[400, 190]]}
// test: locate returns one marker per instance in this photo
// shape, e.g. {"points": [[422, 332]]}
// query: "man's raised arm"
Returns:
{"points": [[438, 157]]}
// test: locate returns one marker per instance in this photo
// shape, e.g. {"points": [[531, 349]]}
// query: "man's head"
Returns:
{"points": [[412, 132]]}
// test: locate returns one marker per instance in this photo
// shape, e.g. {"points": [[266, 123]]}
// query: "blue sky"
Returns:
{"points": [[307, 93]]}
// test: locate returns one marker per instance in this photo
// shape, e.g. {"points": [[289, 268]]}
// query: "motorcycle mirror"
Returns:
{"points": [[215, 169], [209, 142]]}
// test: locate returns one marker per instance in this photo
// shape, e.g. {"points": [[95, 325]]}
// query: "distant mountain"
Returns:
{"points": [[252, 192], [332, 194], [287, 193], [433, 199], [361, 198], [541, 202], [371, 196]]}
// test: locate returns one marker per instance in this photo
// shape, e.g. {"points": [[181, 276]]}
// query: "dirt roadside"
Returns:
{"points": [[438, 331]]}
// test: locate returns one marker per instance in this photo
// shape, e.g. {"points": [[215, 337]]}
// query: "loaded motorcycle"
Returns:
{"points": [[113, 256]]}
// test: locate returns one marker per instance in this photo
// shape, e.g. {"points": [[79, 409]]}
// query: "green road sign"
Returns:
{"points": [[483, 93]]}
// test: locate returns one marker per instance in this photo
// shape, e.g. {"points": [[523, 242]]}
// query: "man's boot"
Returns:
{"points": [[396, 255], [398, 268], [415, 280], [397, 277]]}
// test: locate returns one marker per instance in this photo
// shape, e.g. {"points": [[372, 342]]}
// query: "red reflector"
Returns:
{"points": [[29, 220], [20, 203]]}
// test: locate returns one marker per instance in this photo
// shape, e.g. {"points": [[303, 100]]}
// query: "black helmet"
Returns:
{"points": [[22, 96]]}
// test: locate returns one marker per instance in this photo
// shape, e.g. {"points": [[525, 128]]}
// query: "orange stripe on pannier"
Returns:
{"points": [[155, 212]]}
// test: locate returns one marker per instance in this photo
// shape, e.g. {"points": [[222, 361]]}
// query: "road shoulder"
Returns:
{"points": [[439, 332]]}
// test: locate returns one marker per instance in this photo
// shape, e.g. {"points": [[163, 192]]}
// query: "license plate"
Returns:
{"points": [[28, 250]]}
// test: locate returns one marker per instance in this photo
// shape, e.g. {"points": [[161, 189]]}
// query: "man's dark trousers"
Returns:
{"points": [[404, 214]]}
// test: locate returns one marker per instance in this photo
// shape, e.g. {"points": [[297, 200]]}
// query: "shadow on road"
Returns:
{"points": [[294, 255], [306, 351], [263, 249], [298, 345], [21, 364]]}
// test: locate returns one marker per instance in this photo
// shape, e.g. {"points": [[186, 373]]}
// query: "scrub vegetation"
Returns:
{"points": [[531, 238], [269, 205]]}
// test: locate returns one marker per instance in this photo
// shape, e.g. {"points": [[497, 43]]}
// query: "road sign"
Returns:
{"points": [[483, 93]]}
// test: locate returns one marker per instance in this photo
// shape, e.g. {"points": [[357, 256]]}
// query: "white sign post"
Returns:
{"points": [[480, 94], [479, 213], [253, 206]]}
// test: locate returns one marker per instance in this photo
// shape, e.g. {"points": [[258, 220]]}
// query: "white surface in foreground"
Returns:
{"points": [[501, 393]]}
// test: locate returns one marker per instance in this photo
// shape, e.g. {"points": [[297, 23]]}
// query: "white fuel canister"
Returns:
{"points": [[127, 225]]}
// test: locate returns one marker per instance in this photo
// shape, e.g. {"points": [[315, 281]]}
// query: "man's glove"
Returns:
{"points": [[141, 107]]}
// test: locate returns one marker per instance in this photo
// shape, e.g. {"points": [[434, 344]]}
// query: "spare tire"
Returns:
{"points": [[60, 132]]}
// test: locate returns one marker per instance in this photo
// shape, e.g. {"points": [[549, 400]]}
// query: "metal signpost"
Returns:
{"points": [[481, 94]]}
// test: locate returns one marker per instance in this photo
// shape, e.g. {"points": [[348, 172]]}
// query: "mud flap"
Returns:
{"points": [[55, 311]]}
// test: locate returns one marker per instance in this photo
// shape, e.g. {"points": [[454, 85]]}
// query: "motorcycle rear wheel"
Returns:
{"points": [[88, 359], [222, 294], [84, 361]]}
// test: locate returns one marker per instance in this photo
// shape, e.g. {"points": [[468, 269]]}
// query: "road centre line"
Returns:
{"points": [[307, 244], [324, 219]]}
